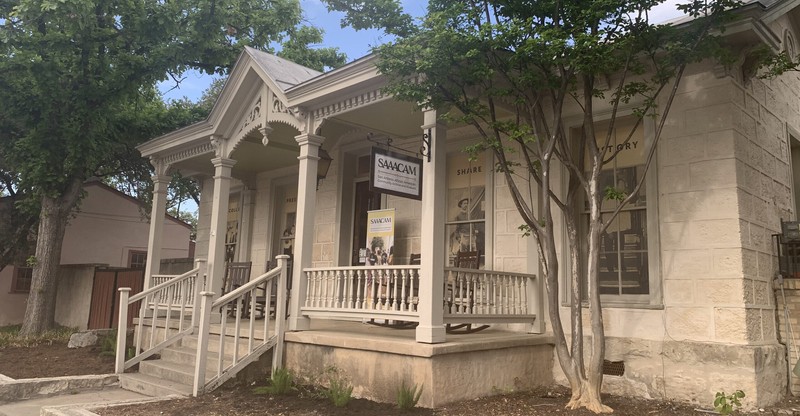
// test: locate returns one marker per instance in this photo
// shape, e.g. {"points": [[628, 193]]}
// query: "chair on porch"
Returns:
{"points": [[463, 260], [237, 274]]}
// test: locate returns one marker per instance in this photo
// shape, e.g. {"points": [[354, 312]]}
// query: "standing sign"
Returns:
{"points": [[380, 237], [396, 174]]}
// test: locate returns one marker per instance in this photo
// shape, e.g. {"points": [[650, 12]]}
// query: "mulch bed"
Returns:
{"points": [[53, 360], [56, 359]]}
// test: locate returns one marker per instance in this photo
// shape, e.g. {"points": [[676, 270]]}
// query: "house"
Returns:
{"points": [[108, 230], [286, 158]]}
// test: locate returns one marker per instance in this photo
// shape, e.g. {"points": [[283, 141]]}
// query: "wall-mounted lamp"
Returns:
{"points": [[323, 165]]}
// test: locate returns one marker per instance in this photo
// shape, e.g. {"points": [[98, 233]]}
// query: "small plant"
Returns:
{"points": [[407, 397], [280, 383], [108, 347], [339, 391], [726, 404]]}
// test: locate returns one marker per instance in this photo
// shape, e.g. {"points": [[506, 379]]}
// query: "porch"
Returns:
{"points": [[288, 174], [377, 360]]}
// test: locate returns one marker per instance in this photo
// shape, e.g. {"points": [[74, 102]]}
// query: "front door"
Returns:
{"points": [[365, 201]]}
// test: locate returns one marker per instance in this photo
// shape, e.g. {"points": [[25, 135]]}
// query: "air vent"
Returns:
{"points": [[613, 368]]}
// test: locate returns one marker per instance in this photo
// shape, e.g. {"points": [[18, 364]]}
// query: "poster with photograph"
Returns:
{"points": [[466, 205], [232, 228], [380, 237], [288, 224]]}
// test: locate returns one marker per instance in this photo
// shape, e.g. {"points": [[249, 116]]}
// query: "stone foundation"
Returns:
{"points": [[695, 371], [447, 372]]}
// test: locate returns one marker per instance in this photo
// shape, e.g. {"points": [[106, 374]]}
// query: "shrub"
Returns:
{"points": [[280, 383], [339, 391], [407, 398], [727, 404]]}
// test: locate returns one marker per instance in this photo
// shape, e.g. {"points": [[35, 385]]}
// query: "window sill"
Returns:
{"points": [[622, 304]]}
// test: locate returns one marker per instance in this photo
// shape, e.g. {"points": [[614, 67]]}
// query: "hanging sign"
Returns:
{"points": [[396, 174]]}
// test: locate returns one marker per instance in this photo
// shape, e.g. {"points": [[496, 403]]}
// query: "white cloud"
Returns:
{"points": [[665, 11]]}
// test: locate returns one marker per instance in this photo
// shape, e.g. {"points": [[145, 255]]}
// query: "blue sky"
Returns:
{"points": [[354, 44]]}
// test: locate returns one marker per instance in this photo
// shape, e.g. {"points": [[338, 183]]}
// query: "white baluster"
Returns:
{"points": [[362, 289]]}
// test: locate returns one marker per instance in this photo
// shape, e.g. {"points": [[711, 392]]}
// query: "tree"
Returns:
{"points": [[513, 69], [75, 78]]}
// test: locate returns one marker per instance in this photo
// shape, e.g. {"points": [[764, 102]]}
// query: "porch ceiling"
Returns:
{"points": [[251, 155], [391, 117]]}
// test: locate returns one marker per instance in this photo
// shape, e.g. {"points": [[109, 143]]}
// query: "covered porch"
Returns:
{"points": [[270, 154], [287, 166]]}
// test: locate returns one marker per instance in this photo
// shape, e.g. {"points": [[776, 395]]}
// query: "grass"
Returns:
{"points": [[408, 397], [281, 382], [9, 337], [339, 391]]}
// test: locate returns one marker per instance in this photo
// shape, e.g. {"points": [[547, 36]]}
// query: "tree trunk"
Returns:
{"points": [[41, 306]]}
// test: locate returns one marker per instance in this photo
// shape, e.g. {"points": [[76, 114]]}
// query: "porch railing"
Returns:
{"points": [[488, 296], [392, 292], [382, 292], [245, 341], [171, 300]]}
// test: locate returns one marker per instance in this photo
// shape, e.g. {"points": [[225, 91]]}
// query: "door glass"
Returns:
{"points": [[365, 200]]}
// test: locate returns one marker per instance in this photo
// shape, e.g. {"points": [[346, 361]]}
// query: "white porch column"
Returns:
{"points": [[246, 226], [158, 210], [432, 241], [219, 218], [304, 225]]}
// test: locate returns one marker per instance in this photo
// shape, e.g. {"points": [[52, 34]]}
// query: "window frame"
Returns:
{"points": [[132, 253], [654, 299], [15, 279], [487, 256]]}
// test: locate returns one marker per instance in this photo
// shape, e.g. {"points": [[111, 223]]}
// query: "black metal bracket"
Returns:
{"points": [[425, 149]]}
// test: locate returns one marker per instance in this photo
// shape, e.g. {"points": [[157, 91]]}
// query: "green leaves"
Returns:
{"points": [[726, 404]]}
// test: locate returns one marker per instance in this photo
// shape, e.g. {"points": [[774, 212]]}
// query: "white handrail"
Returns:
{"points": [[243, 300], [156, 288], [174, 296]]}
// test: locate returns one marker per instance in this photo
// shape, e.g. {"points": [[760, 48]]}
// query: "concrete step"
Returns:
{"points": [[179, 373], [153, 386], [186, 356], [213, 345]]}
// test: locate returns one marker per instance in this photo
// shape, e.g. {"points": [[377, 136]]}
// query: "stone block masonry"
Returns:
{"points": [[788, 302]]}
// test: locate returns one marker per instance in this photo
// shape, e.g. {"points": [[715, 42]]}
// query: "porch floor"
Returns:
{"points": [[364, 336]]}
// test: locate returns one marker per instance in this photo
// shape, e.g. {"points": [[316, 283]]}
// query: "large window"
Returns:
{"points": [[624, 268], [466, 206]]}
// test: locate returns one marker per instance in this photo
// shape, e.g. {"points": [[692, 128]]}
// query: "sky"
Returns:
{"points": [[353, 44]]}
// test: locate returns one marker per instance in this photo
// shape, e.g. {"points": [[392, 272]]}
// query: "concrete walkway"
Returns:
{"points": [[33, 407]]}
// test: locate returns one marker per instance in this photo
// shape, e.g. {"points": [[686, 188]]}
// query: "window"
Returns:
{"points": [[466, 206], [137, 259], [21, 282], [624, 266]]}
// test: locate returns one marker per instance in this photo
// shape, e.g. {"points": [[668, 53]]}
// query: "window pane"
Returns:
{"points": [[22, 283]]}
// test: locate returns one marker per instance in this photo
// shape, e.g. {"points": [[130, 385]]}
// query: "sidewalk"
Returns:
{"points": [[33, 407]]}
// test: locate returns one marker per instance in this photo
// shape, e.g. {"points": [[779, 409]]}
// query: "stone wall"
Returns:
{"points": [[789, 330], [377, 366]]}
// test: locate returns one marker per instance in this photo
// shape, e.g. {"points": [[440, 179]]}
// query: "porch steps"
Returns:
{"points": [[153, 386], [173, 372]]}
